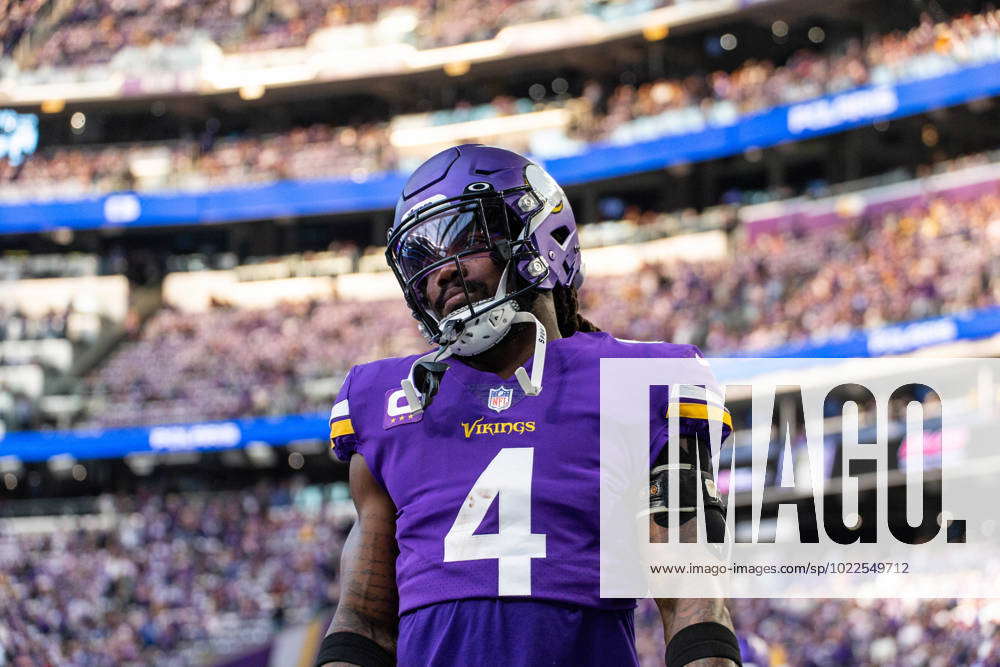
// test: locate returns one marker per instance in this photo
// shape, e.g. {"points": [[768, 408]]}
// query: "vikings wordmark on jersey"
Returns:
{"points": [[498, 502]]}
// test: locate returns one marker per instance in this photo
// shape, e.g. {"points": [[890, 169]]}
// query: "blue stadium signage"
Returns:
{"points": [[834, 112], [207, 436]]}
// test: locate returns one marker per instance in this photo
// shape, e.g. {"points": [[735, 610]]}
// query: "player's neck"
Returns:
{"points": [[516, 348]]}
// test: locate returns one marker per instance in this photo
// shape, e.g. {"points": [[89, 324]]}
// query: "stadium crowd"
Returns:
{"points": [[794, 287], [435, 23], [623, 113], [180, 579], [167, 581], [672, 106], [94, 31], [230, 362], [848, 632], [787, 287]]}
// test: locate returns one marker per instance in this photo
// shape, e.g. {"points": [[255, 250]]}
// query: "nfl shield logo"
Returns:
{"points": [[500, 398]]}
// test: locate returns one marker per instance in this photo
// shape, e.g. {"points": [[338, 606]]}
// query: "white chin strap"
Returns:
{"points": [[416, 400], [531, 386]]}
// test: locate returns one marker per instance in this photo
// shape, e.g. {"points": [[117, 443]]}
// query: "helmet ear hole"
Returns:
{"points": [[560, 234], [501, 220]]}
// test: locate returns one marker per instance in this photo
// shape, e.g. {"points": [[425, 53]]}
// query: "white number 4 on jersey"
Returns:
{"points": [[514, 545]]}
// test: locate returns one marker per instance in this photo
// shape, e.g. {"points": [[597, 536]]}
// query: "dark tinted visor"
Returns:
{"points": [[449, 231]]}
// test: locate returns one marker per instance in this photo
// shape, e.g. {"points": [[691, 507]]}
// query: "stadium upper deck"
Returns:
{"points": [[103, 50], [588, 127], [552, 125], [94, 32]]}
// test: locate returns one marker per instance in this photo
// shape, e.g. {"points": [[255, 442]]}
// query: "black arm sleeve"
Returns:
{"points": [[694, 472]]}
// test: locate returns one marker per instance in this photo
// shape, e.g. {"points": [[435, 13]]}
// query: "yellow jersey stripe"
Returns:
{"points": [[342, 427], [700, 411]]}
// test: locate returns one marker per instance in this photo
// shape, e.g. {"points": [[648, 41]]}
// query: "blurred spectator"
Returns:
{"points": [[16, 18], [791, 287]]}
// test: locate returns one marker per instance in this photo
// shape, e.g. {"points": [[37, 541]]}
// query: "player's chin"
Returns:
{"points": [[451, 309], [458, 302]]}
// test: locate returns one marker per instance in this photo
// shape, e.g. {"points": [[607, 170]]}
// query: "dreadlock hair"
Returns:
{"points": [[567, 304]]}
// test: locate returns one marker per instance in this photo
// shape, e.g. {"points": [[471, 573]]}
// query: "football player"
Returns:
{"points": [[477, 492]]}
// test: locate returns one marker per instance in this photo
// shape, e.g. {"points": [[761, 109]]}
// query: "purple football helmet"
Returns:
{"points": [[470, 200]]}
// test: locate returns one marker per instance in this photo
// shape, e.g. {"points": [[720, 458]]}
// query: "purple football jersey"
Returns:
{"points": [[497, 493]]}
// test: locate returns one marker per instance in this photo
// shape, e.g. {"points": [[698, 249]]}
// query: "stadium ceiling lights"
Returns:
{"points": [[53, 106], [252, 92], [655, 33], [457, 67], [11, 469], [78, 121]]}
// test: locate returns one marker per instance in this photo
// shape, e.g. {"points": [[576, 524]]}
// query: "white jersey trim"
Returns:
{"points": [[340, 409]]}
